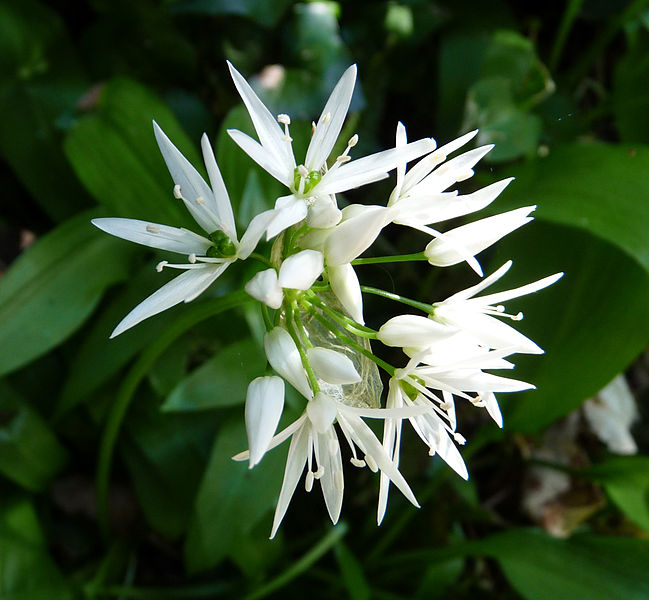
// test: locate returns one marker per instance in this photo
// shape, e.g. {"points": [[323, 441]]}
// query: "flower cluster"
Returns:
{"points": [[312, 301]]}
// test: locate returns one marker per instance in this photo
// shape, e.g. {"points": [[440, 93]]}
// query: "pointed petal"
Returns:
{"points": [[332, 367], [391, 444], [352, 237], [323, 213], [295, 462], [288, 213], [183, 288], [284, 357], [481, 285], [253, 234], [413, 331], [264, 404], [491, 404], [264, 287], [530, 288], [300, 271], [400, 141], [327, 450], [192, 185], [457, 169], [222, 205], [154, 235], [370, 168], [262, 156], [331, 121], [449, 453], [268, 129]]}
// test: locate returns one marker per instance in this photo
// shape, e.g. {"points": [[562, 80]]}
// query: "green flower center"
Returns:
{"points": [[411, 391], [222, 247], [310, 181]]}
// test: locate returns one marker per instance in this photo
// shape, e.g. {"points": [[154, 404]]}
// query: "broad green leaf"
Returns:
{"points": [[221, 381], [115, 155], [27, 572], [52, 288], [30, 454], [166, 456], [592, 323], [40, 81], [585, 567], [626, 481], [600, 188], [231, 499]]}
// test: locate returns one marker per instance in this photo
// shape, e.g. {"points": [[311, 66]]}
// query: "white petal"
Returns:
{"points": [[344, 284], [222, 205], [284, 357], [352, 237], [268, 129], [370, 168], [264, 404], [400, 141], [264, 287], [476, 289], [322, 412], [519, 291], [491, 404], [391, 444], [262, 156], [183, 288], [331, 121], [323, 213], [297, 457], [413, 331], [450, 454], [456, 169], [332, 367], [288, 213], [327, 450], [192, 185], [154, 235], [474, 237], [299, 271], [253, 234]]}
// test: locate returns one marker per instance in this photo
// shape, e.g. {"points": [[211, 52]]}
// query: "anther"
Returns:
{"points": [[153, 229], [192, 258], [284, 119], [200, 200], [319, 473], [308, 481], [446, 406], [357, 462], [353, 140], [371, 463], [161, 265], [313, 128], [177, 193], [303, 171], [517, 317], [343, 158], [431, 451], [326, 118], [459, 438]]}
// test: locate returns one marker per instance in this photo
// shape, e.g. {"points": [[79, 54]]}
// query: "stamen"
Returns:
{"points": [[303, 171], [177, 193], [446, 406], [431, 451], [313, 126], [339, 481], [319, 473], [308, 481], [284, 119], [371, 463], [326, 118], [161, 265], [353, 141], [200, 200], [357, 462], [192, 258], [153, 229], [459, 438], [343, 158]]}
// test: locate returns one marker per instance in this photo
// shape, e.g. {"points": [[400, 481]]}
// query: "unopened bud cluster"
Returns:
{"points": [[312, 301]]}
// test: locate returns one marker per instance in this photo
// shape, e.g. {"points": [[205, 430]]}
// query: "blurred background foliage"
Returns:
{"points": [[115, 471]]}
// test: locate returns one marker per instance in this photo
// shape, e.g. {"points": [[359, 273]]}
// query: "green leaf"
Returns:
{"points": [[591, 324], [231, 499], [585, 567], [264, 12], [40, 81], [26, 570], [50, 290], [352, 572], [30, 454], [600, 188], [115, 155], [221, 381], [626, 481]]}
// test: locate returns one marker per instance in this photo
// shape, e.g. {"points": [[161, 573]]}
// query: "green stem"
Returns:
{"points": [[378, 260], [261, 258], [339, 333], [345, 321], [427, 308], [192, 316], [569, 15], [301, 565], [290, 326], [267, 320]]}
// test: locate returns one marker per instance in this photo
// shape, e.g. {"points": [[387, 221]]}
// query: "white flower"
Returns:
{"points": [[463, 243], [344, 284], [208, 256], [264, 404], [412, 331], [312, 185], [476, 315], [298, 272]]}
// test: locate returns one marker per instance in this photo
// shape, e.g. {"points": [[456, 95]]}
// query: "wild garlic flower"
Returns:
{"points": [[313, 184], [209, 255], [311, 297]]}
